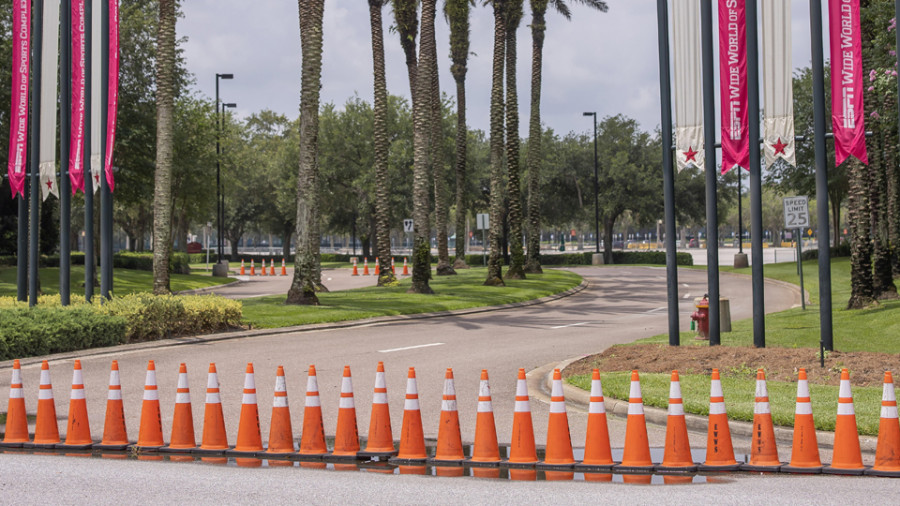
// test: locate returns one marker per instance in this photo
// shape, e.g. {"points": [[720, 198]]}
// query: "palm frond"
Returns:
{"points": [[561, 7]]}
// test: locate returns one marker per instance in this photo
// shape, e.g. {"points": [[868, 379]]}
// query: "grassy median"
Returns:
{"points": [[124, 281]]}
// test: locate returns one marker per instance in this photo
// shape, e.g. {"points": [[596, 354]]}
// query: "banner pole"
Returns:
{"points": [[756, 226], [65, 195], [22, 250], [37, 13], [709, 134], [105, 195], [90, 262], [668, 169]]}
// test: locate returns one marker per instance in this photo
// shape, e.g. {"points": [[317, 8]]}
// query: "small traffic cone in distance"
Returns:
{"points": [[558, 451], [412, 437], [846, 457], [763, 452], [16, 420], [312, 440], [249, 438], [887, 454], [405, 267], [597, 452], [78, 431], [719, 449], [355, 269], [449, 443], [636, 454], [262, 270], [182, 439], [283, 267], [365, 267], [150, 433], [522, 452], [380, 442], [46, 431], [485, 450], [115, 436], [377, 267], [272, 267], [805, 449], [252, 267], [346, 436], [393, 270], [243, 268], [214, 439], [281, 435], [677, 453]]}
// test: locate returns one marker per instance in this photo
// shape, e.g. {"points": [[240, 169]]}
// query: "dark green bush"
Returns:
{"points": [[45, 330], [841, 251]]}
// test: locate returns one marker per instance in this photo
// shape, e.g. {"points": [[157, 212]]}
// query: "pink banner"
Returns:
{"points": [[733, 84], [18, 131], [847, 115], [113, 97], [76, 140]]}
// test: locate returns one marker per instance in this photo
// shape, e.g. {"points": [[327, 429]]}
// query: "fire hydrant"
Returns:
{"points": [[701, 316]]}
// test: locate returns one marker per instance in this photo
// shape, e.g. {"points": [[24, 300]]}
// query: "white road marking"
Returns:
{"points": [[655, 310], [685, 285], [410, 347], [686, 296], [569, 325]]}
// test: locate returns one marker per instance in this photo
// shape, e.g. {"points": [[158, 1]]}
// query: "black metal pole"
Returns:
{"points": [[740, 212], [106, 282], [37, 22], [596, 188], [709, 135], [668, 169], [219, 220], [818, 64], [22, 249], [65, 196], [90, 262], [756, 226]]}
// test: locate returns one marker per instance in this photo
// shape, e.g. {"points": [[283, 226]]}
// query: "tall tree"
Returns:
{"points": [[538, 27], [495, 269], [380, 134], [307, 269], [165, 132], [437, 159], [407, 25], [513, 189], [457, 12]]}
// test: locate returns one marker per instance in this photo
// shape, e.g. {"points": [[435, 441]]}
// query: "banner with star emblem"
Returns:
{"points": [[778, 127], [847, 114], [49, 96], [18, 130], [688, 89], [733, 84]]}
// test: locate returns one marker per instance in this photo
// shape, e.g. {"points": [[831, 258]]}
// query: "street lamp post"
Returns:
{"points": [[218, 270], [596, 185], [221, 201]]}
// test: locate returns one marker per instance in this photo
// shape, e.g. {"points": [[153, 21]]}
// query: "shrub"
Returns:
{"points": [[841, 251], [43, 330], [152, 317]]}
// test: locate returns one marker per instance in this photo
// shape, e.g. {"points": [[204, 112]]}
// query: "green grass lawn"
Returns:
{"points": [[464, 290], [124, 281]]}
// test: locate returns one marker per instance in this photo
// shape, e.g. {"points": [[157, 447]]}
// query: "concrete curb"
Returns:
{"points": [[240, 334], [540, 380]]}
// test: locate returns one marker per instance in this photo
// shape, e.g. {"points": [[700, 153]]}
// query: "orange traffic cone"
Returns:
{"points": [[393, 270], [355, 269], [150, 434], [597, 453], [243, 268], [182, 440], [281, 434], [262, 271], [215, 439], [559, 442], [272, 267], [365, 267], [805, 450], [312, 440], [763, 452], [412, 438], [16, 420], [636, 455], [449, 444], [346, 436], [115, 437], [249, 439], [522, 452], [887, 454], [46, 431], [381, 441], [405, 267], [78, 430], [719, 449], [677, 454], [252, 267], [485, 450], [283, 267], [377, 267], [846, 458]]}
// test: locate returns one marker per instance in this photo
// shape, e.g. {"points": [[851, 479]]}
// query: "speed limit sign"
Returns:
{"points": [[796, 212]]}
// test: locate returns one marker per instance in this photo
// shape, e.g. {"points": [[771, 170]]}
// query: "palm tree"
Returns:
{"points": [[382, 188], [495, 270], [438, 167], [407, 22], [517, 254], [538, 27], [165, 137], [859, 218], [307, 269], [457, 13]]}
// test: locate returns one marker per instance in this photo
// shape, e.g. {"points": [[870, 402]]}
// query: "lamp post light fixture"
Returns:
{"points": [[596, 184], [219, 208]]}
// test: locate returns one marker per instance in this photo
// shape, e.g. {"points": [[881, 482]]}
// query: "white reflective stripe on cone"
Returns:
{"points": [[715, 389], [676, 409], [448, 405], [16, 393], [635, 408], [717, 408], [45, 393], [45, 377], [347, 385], [151, 395], [596, 407], [183, 398], [249, 382], [249, 398], [803, 388], [280, 401], [115, 394], [761, 408], [523, 406], [346, 403], [845, 408], [212, 380], [761, 390], [803, 408], [213, 398], [486, 406], [845, 389], [77, 393], [557, 390], [311, 384], [558, 407], [888, 411], [675, 390], [411, 404], [379, 398], [411, 386], [312, 401], [635, 390], [521, 388]]}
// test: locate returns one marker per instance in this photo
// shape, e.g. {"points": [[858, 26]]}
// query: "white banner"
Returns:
{"points": [[688, 85], [778, 127], [49, 96], [96, 85]]}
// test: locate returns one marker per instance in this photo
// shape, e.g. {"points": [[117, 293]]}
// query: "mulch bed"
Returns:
{"points": [[780, 364]]}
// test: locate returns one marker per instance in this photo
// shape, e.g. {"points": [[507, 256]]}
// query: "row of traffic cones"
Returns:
{"points": [[262, 271], [378, 267]]}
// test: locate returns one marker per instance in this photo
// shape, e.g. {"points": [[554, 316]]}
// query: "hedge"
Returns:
{"points": [[44, 330], [179, 263], [841, 251]]}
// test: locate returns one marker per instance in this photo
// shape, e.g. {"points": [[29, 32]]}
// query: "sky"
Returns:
{"points": [[603, 62]]}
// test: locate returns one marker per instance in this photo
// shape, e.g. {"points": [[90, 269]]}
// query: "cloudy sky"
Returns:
{"points": [[604, 62]]}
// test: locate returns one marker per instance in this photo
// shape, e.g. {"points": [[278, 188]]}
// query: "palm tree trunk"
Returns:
{"points": [[438, 165], [407, 27], [382, 188], [517, 254], [458, 16], [307, 269], [882, 275], [858, 215], [533, 261], [165, 135], [495, 270]]}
